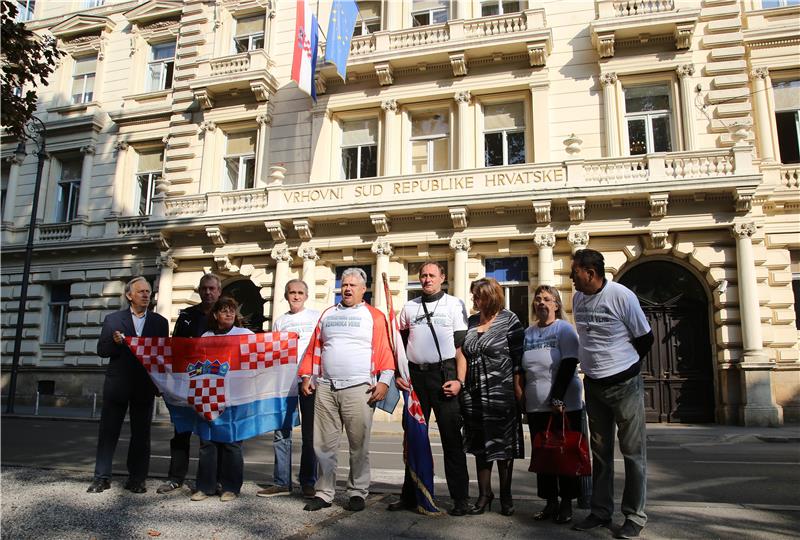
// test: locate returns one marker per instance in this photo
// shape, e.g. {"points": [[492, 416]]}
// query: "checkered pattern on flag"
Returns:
{"points": [[225, 388]]}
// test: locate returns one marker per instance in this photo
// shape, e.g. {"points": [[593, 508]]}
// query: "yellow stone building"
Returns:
{"points": [[495, 136]]}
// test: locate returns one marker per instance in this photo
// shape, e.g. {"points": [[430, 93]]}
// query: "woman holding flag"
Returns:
{"points": [[224, 320]]}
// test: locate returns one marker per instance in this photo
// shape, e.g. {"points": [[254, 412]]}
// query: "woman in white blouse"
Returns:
{"points": [[551, 384]]}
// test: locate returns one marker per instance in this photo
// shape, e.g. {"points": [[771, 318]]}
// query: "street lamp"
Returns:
{"points": [[35, 131]]}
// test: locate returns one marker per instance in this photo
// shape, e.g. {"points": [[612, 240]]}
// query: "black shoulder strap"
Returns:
{"points": [[430, 325]]}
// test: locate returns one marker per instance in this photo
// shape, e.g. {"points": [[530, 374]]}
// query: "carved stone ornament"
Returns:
{"points": [[683, 36], [760, 73], [605, 45], [260, 90], [308, 253], [216, 234], [204, 98], [577, 209], [321, 84], [207, 125], [121, 146], [281, 253], [225, 266], [459, 217], [382, 247], [166, 261], [460, 243], [14, 160], [744, 199], [573, 144], [275, 229], [658, 204], [389, 105], [458, 61], [385, 74], [88, 150], [380, 222], [264, 119], [658, 239], [608, 78], [304, 228], [463, 96], [544, 240], [743, 229], [685, 70], [578, 239], [542, 211]]}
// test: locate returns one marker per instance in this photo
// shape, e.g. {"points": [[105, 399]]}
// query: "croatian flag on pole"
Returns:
{"points": [[225, 388], [304, 59], [416, 441]]}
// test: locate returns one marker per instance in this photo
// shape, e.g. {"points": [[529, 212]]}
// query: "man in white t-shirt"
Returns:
{"points": [[352, 361], [302, 321], [438, 377], [614, 338]]}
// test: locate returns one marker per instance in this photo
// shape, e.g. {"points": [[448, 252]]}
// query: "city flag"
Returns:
{"points": [[224, 388], [340, 33], [304, 59], [416, 442]]}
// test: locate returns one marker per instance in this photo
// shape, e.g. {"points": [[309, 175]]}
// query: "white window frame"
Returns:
{"points": [[430, 142], [781, 3], [26, 10], [57, 313], [150, 178], [505, 132], [362, 26], [67, 206], [250, 38], [360, 147], [85, 76], [777, 80], [162, 84], [500, 9], [430, 13], [241, 180], [87, 4], [649, 116]]}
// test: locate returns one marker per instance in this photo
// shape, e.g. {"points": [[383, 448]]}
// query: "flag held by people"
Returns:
{"points": [[304, 58], [224, 388], [340, 34], [416, 441]]}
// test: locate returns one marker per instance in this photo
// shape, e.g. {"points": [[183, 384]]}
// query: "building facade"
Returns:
{"points": [[494, 136]]}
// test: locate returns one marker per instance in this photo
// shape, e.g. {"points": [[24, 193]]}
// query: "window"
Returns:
{"points": [[5, 171], [368, 19], [83, 79], [425, 12], [768, 4], [337, 288], [647, 116], [498, 7], [25, 10], [251, 305], [512, 274], [69, 186], [249, 34], [414, 289], [430, 141], [240, 161], [504, 134], [160, 67], [58, 308], [360, 149], [93, 3], [787, 119], [151, 165], [794, 257]]}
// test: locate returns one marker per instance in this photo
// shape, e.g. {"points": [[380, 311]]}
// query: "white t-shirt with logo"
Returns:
{"points": [[607, 321], [302, 323], [448, 315], [544, 348]]}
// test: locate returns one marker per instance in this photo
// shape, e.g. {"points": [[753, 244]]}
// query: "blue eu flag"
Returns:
{"points": [[340, 33]]}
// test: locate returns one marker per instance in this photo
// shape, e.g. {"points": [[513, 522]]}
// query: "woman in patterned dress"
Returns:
{"points": [[492, 425]]}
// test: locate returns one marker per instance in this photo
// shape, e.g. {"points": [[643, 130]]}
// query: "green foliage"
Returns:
{"points": [[25, 60]]}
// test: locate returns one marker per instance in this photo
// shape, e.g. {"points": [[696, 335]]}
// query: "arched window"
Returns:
{"points": [[252, 305]]}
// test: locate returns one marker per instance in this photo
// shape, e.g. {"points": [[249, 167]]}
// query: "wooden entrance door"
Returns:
{"points": [[678, 372]]}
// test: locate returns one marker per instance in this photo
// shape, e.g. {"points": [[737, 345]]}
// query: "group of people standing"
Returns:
{"points": [[480, 375]]}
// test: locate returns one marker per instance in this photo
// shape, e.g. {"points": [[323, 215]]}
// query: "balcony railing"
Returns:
{"points": [[248, 70], [790, 176], [627, 8], [54, 232], [132, 226]]}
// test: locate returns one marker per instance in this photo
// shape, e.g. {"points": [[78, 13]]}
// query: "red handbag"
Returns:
{"points": [[563, 453]]}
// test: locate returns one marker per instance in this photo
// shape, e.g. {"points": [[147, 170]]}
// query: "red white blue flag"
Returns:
{"points": [[225, 388], [304, 59], [416, 441]]}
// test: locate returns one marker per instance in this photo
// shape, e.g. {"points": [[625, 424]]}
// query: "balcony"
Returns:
{"points": [[633, 22], [453, 43], [231, 75]]}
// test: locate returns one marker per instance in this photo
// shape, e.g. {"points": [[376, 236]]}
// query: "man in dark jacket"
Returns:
{"points": [[127, 387], [191, 323]]}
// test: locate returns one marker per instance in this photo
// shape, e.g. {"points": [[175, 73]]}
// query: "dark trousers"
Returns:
{"points": [[428, 386], [120, 395], [551, 486], [223, 462], [308, 459], [179, 449]]}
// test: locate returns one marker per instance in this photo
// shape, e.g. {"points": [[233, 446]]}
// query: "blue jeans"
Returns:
{"points": [[618, 406], [282, 445]]}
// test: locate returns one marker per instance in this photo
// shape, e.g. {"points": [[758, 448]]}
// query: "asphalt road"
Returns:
{"points": [[686, 464]]}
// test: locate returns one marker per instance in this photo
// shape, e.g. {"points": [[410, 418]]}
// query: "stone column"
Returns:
{"points": [[280, 253], [118, 197], [544, 242], [262, 151], [167, 265], [759, 407], [761, 83], [391, 140], [460, 245], [685, 73], [382, 250], [86, 181], [540, 122], [207, 129], [11, 190], [310, 258], [611, 120], [394, 16], [461, 9], [462, 99], [578, 240]]}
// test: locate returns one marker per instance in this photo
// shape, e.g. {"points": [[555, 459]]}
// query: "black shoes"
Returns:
{"points": [[316, 504], [99, 485], [168, 487], [564, 512], [400, 505], [135, 487], [506, 506], [483, 503], [356, 504], [591, 522], [460, 508], [629, 529], [549, 511]]}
